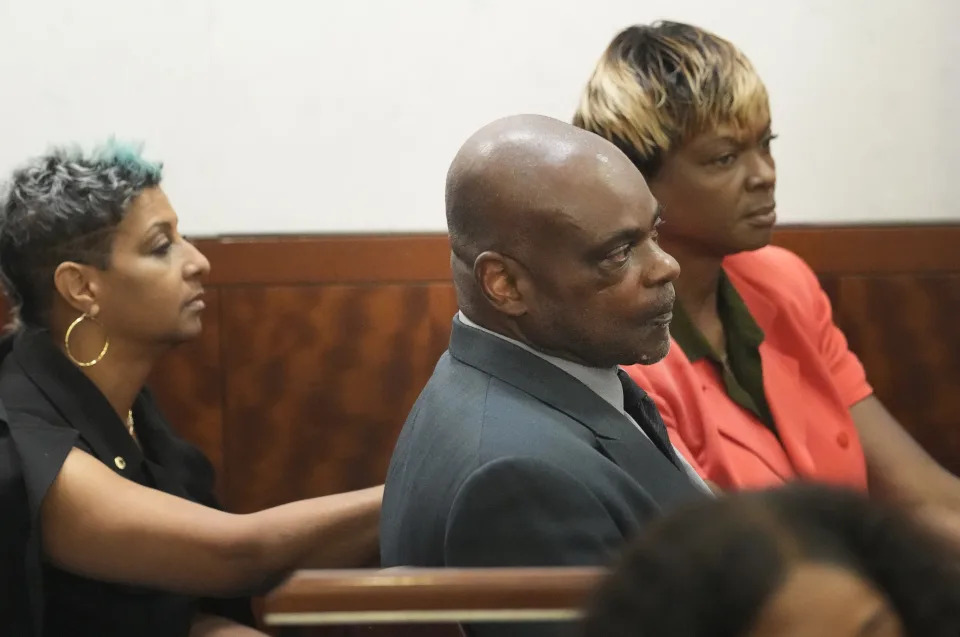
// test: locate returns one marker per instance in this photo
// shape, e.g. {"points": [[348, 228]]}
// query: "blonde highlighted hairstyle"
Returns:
{"points": [[657, 85]]}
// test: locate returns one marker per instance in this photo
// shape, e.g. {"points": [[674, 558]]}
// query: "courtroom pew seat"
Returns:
{"points": [[416, 601]]}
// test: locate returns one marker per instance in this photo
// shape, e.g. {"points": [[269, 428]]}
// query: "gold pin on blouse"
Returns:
{"points": [[119, 461], [130, 424]]}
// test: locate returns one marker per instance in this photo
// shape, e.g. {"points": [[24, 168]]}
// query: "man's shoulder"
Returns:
{"points": [[467, 418], [461, 387], [469, 427]]}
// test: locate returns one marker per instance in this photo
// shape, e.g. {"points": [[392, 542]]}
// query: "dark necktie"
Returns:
{"points": [[641, 408]]}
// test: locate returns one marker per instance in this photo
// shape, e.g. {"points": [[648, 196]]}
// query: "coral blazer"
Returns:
{"points": [[810, 379]]}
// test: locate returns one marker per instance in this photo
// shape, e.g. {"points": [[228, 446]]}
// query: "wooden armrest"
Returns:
{"points": [[417, 595]]}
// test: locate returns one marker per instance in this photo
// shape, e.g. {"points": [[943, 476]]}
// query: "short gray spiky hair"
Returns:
{"points": [[65, 206]]}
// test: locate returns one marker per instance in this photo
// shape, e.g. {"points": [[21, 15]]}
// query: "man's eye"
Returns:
{"points": [[621, 254]]}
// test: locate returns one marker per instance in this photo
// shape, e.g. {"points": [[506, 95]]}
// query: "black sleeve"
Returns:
{"points": [[15, 591], [31, 455], [525, 512]]}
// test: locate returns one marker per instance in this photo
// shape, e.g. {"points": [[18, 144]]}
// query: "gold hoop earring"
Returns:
{"points": [[66, 343]]}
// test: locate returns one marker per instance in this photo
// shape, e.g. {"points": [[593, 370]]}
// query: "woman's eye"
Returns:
{"points": [[162, 249], [725, 160]]}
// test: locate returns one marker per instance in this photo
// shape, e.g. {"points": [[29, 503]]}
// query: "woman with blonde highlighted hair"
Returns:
{"points": [[759, 387]]}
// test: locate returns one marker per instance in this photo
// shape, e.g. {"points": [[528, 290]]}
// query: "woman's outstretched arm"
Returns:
{"points": [[103, 526]]}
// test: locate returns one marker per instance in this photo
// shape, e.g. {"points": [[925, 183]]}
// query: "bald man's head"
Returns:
{"points": [[553, 235], [509, 175]]}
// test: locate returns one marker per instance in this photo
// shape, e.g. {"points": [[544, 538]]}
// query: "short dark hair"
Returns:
{"points": [[65, 206], [709, 569]]}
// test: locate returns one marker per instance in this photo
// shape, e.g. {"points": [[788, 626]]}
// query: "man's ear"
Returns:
{"points": [[77, 286], [497, 276]]}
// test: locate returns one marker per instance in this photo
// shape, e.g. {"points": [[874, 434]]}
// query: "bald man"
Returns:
{"points": [[527, 447]]}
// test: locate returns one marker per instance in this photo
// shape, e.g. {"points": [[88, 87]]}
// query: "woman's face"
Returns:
{"points": [[717, 189], [152, 291], [817, 600]]}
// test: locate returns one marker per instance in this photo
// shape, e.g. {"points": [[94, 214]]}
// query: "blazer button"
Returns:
{"points": [[120, 462], [843, 439]]}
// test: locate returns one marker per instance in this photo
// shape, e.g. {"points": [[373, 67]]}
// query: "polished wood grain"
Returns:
{"points": [[905, 329], [322, 597], [318, 381], [405, 601], [333, 259], [850, 250], [422, 258]]}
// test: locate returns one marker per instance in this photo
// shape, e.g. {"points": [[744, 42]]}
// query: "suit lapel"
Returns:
{"points": [[618, 438], [648, 467]]}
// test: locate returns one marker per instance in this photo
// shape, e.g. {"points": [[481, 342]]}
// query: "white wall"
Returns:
{"points": [[318, 116]]}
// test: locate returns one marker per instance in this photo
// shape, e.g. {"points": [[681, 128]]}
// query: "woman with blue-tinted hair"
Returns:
{"points": [[108, 522]]}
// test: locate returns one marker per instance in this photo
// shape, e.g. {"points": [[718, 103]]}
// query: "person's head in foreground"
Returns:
{"points": [[692, 114], [803, 561], [90, 240], [554, 243]]}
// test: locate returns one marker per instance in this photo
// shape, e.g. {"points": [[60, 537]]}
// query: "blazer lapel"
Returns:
{"points": [[786, 405]]}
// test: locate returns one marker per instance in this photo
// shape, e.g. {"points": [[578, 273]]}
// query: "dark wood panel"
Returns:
{"points": [[425, 257], [831, 285], [874, 249], [319, 380], [188, 385], [906, 332], [328, 259]]}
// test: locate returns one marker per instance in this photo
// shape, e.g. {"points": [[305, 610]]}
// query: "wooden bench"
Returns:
{"points": [[435, 600]]}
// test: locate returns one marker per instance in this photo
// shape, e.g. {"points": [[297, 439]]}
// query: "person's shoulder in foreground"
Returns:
{"points": [[520, 450]]}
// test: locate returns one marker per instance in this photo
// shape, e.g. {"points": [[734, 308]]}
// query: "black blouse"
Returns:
{"points": [[48, 407]]}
